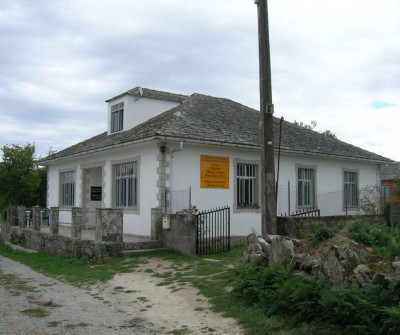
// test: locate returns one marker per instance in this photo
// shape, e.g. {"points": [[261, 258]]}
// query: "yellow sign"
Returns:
{"points": [[214, 172]]}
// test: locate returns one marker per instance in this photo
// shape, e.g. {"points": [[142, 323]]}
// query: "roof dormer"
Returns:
{"points": [[137, 105]]}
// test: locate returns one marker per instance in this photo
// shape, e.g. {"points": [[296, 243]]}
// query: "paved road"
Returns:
{"points": [[67, 309]]}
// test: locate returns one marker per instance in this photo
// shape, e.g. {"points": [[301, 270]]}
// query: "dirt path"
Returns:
{"points": [[131, 303], [170, 307]]}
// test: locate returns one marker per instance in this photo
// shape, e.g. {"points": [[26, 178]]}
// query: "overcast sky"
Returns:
{"points": [[334, 62]]}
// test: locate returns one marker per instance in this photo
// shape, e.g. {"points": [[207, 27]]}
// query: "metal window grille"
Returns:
{"points": [[246, 185], [305, 179], [126, 178], [350, 189], [117, 117], [67, 188]]}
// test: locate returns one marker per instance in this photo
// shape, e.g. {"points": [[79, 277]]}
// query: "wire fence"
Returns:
{"points": [[179, 200], [328, 203]]}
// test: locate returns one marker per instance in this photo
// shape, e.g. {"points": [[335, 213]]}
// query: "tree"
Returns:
{"points": [[312, 125], [371, 200], [21, 182]]}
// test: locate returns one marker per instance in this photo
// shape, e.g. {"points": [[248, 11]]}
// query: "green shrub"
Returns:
{"points": [[281, 292], [322, 233], [385, 241], [391, 320], [17, 239]]}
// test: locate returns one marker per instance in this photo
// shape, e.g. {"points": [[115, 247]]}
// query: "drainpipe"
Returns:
{"points": [[170, 169], [279, 159], [176, 150]]}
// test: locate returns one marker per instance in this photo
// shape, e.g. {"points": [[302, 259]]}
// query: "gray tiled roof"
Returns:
{"points": [[391, 171], [154, 94], [221, 121]]}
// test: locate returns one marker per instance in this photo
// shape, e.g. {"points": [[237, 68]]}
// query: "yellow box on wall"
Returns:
{"points": [[166, 223]]}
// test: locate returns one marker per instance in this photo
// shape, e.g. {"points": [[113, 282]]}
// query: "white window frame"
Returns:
{"points": [[135, 207], [306, 187], [351, 186], [246, 173], [67, 188], [117, 117]]}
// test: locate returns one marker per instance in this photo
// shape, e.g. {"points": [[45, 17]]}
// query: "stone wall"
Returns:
{"points": [[65, 246], [109, 226], [296, 226], [109, 234], [3, 227], [181, 236]]}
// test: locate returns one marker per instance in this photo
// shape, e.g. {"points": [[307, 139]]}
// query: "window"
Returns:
{"points": [[305, 187], [126, 182], [385, 190], [117, 117], [350, 189], [67, 181], [246, 184]]}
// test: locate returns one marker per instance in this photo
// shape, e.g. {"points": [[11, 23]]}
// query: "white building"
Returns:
{"points": [[169, 151]]}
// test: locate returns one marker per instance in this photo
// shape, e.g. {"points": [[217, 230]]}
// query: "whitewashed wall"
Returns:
{"points": [[185, 172], [137, 223], [139, 109]]}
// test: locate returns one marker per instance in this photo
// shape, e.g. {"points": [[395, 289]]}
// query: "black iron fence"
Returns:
{"points": [[307, 212], [213, 231]]}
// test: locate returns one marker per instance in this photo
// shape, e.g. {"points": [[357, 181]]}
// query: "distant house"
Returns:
{"points": [[389, 174], [170, 151]]}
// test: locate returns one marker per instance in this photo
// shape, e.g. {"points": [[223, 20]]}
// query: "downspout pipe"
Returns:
{"points": [[279, 158], [170, 169]]}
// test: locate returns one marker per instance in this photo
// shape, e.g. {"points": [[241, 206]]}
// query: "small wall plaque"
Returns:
{"points": [[96, 193]]}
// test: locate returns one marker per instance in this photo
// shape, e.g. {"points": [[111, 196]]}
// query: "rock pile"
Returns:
{"points": [[340, 259]]}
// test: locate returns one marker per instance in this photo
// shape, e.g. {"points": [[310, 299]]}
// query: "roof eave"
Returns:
{"points": [[208, 142]]}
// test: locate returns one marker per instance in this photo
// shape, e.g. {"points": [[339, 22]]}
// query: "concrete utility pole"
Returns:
{"points": [[268, 217]]}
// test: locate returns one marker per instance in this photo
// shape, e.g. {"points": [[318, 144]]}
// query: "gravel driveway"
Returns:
{"points": [[106, 308], [26, 294]]}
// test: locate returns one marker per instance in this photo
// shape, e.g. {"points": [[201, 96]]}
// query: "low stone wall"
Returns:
{"points": [[296, 226], [65, 246], [108, 239], [3, 226], [181, 236]]}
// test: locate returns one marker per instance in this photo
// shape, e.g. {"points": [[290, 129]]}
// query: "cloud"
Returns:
{"points": [[332, 62]]}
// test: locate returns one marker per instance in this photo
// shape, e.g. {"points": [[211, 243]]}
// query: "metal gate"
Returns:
{"points": [[213, 231]]}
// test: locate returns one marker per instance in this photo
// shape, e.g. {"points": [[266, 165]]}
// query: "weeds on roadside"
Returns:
{"points": [[299, 298], [274, 301], [384, 240], [323, 232]]}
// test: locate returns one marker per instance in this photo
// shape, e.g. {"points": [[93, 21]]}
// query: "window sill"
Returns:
{"points": [[116, 131], [65, 208], [130, 210], [255, 209], [352, 208]]}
